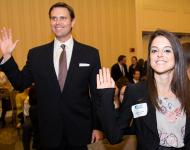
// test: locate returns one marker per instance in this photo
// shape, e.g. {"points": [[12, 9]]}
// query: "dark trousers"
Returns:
{"points": [[66, 147], [30, 130], [6, 105], [33, 111], [26, 134]]}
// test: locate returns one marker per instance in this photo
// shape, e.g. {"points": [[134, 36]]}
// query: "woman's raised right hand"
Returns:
{"points": [[104, 79]]}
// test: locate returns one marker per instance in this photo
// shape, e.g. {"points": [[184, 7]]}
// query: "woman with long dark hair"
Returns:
{"points": [[159, 105], [186, 49]]}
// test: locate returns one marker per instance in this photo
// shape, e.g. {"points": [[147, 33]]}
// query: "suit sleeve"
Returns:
{"points": [[19, 79], [114, 122], [93, 90]]}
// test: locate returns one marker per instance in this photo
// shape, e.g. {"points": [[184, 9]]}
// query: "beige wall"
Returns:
{"points": [[113, 26], [105, 24], [172, 15], [168, 14]]}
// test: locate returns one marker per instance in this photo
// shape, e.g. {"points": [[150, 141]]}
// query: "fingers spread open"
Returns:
{"points": [[108, 76], [15, 43], [98, 81], [112, 83], [101, 76], [104, 75]]}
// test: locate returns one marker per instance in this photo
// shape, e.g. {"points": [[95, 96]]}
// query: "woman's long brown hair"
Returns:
{"points": [[179, 82]]}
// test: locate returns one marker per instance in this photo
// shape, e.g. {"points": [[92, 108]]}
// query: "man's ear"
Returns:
{"points": [[188, 73], [73, 22]]}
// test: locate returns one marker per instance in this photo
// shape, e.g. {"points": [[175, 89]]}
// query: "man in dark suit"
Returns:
{"points": [[134, 66], [119, 69], [66, 95]]}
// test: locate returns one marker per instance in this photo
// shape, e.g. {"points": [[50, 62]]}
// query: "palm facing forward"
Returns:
{"points": [[6, 43], [104, 79]]}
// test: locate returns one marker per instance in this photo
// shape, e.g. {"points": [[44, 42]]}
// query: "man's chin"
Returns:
{"points": [[62, 37]]}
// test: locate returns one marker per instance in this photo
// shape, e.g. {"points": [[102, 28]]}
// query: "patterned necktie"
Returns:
{"points": [[62, 68]]}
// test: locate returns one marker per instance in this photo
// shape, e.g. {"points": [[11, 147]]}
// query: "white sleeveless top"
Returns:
{"points": [[171, 122]]}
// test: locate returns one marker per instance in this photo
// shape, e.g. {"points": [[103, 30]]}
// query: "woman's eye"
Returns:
{"points": [[168, 50], [154, 50]]}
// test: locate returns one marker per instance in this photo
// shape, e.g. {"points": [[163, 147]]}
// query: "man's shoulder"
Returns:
{"points": [[116, 65], [43, 47], [83, 46]]}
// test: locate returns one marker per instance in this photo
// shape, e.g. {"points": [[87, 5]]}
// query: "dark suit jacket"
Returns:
{"points": [[116, 72], [133, 82], [131, 70], [116, 123], [69, 114]]}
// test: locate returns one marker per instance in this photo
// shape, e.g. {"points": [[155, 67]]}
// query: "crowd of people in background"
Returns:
{"points": [[122, 75], [23, 107]]}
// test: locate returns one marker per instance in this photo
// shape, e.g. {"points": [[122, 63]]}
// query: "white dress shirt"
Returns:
{"points": [[57, 52], [135, 81], [122, 69]]}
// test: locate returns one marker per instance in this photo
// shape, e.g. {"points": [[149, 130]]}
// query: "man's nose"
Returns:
{"points": [[57, 21]]}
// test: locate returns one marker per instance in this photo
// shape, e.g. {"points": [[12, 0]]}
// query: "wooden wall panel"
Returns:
{"points": [[172, 15], [159, 14], [104, 24], [112, 26]]}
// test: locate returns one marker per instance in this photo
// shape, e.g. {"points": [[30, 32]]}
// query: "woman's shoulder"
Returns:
{"points": [[138, 86], [136, 91]]}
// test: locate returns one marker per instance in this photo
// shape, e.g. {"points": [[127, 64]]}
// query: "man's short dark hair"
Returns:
{"points": [[121, 57], [136, 71], [64, 5], [134, 58]]}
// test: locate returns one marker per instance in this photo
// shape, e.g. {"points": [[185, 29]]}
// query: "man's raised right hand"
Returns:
{"points": [[6, 44]]}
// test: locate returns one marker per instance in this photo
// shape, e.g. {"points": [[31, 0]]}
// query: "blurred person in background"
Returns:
{"points": [[119, 69], [5, 89], [134, 65]]}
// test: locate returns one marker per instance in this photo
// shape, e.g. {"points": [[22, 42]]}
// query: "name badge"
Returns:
{"points": [[139, 110]]}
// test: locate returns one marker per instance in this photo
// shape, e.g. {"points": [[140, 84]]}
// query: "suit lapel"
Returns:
{"points": [[187, 127], [73, 65], [119, 69], [50, 67], [150, 120]]}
